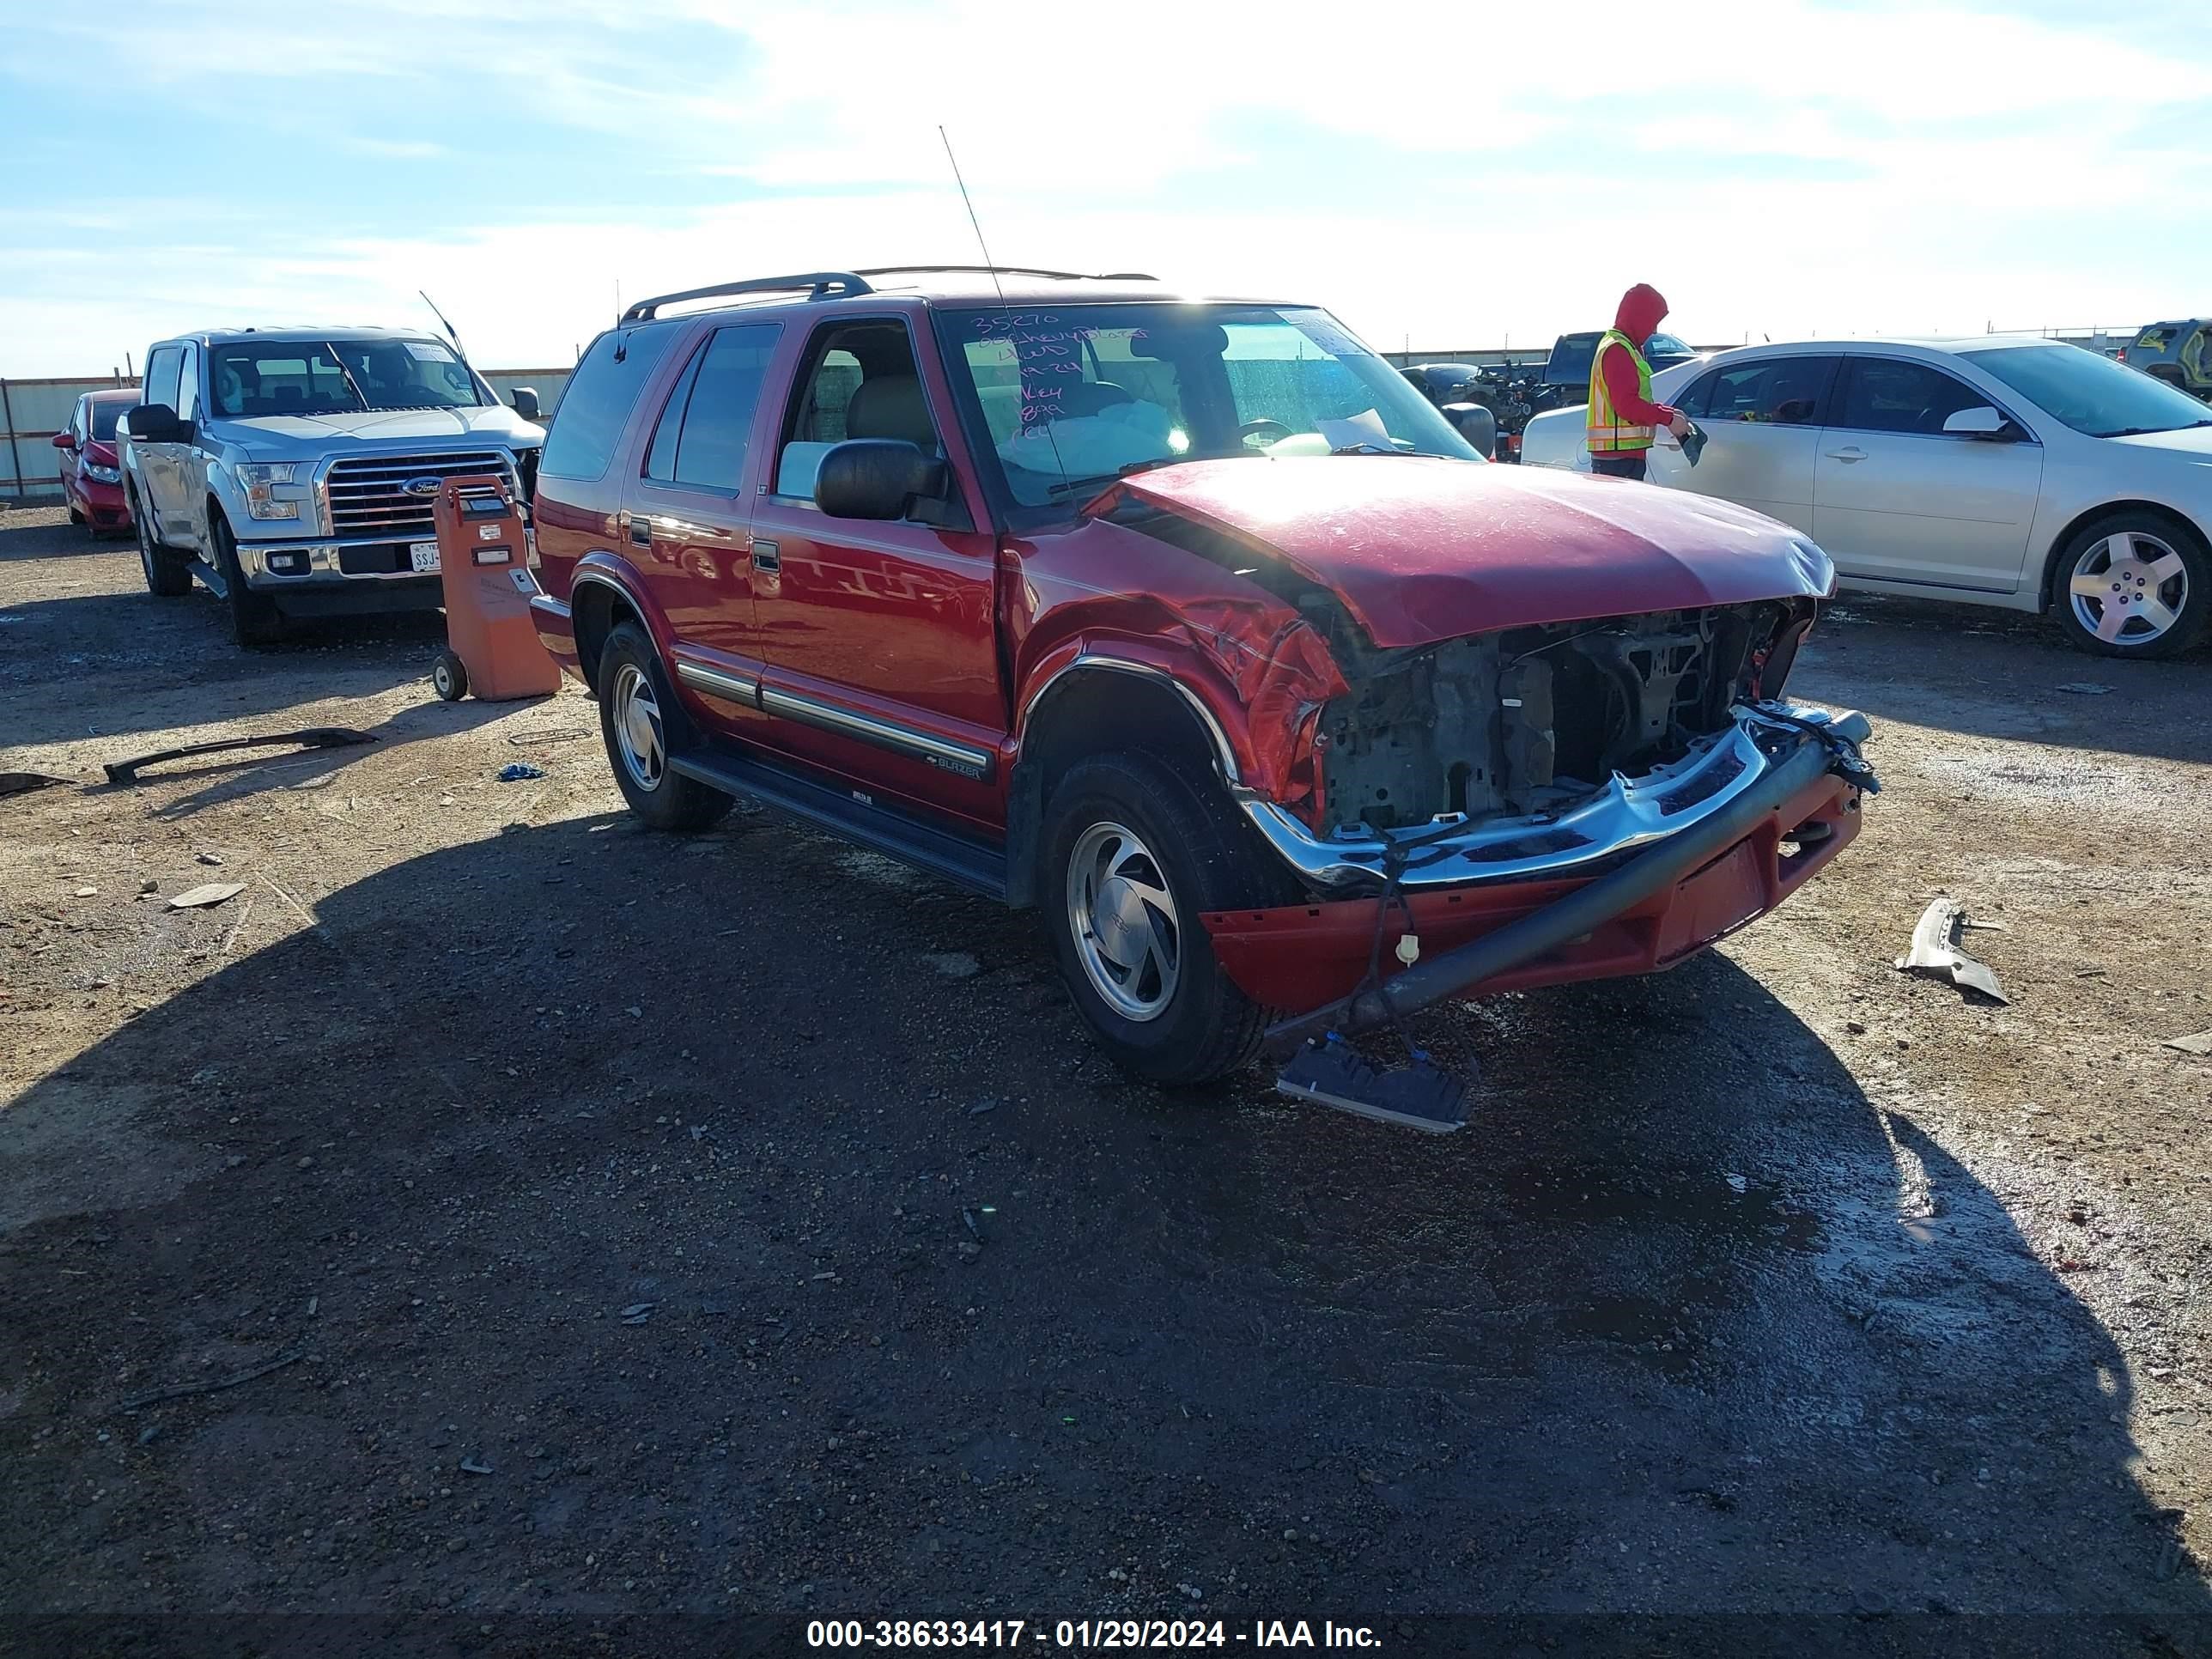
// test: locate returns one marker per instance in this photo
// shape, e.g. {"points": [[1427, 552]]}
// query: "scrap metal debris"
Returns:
{"points": [[313, 737], [1934, 951], [214, 892], [2197, 1042], [180, 1391], [22, 783]]}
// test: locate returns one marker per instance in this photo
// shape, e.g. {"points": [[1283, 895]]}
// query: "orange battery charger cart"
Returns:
{"points": [[492, 646]]}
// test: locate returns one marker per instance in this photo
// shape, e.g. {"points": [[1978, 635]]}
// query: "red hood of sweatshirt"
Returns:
{"points": [[1422, 548], [1642, 308]]}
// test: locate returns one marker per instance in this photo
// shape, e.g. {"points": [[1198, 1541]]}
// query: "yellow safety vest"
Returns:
{"points": [[1608, 433]]}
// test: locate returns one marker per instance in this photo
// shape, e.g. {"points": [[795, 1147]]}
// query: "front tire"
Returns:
{"points": [[637, 713], [2133, 584], [1135, 851], [255, 622], [167, 575]]}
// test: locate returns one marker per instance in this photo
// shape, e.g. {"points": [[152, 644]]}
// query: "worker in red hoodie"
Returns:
{"points": [[1623, 419]]}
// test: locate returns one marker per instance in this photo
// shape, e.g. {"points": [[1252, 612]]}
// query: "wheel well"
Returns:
{"points": [[594, 609], [1093, 711], [2108, 510]]}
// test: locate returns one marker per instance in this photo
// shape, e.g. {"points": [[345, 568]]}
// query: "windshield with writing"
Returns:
{"points": [[1073, 396], [2090, 392], [317, 377]]}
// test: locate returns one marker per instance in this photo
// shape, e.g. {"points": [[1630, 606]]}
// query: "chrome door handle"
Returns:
{"points": [[766, 555], [640, 532], [1853, 454]]}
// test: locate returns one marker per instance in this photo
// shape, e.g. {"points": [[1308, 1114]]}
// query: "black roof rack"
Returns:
{"points": [[1011, 270], [847, 284], [822, 282]]}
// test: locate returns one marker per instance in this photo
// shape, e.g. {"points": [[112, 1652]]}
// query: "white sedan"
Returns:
{"points": [[2003, 471]]}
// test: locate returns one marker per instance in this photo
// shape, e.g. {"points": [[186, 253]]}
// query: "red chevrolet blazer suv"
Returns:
{"points": [[1192, 625]]}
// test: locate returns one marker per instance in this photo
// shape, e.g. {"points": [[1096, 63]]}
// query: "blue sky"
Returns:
{"points": [[1453, 174]]}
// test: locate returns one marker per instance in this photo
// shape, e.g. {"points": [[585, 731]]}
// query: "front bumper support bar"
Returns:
{"points": [[1668, 862]]}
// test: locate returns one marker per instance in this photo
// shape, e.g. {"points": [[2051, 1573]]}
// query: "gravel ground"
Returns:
{"points": [[652, 1226]]}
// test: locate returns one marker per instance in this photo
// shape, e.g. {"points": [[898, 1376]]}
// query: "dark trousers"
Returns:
{"points": [[1618, 466]]}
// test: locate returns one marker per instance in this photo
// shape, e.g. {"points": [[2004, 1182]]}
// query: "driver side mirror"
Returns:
{"points": [[65, 441], [157, 424], [875, 478], [1476, 425], [1981, 422], [525, 400]]}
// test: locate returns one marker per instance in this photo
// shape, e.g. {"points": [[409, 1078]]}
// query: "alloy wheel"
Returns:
{"points": [[2129, 588], [639, 732], [1123, 921]]}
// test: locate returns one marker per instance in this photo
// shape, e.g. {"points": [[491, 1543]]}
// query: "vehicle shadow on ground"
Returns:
{"points": [[165, 663], [57, 541], [231, 776], [759, 1249], [2004, 675]]}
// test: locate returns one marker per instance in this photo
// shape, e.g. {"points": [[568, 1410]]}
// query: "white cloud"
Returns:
{"points": [[1787, 165]]}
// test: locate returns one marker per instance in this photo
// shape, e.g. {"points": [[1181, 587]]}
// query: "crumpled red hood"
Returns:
{"points": [[1421, 549], [100, 451]]}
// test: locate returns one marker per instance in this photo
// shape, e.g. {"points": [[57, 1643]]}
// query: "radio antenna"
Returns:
{"points": [[991, 266], [440, 316]]}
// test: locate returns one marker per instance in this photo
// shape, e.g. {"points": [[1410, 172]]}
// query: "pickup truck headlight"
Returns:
{"points": [[98, 474], [259, 480]]}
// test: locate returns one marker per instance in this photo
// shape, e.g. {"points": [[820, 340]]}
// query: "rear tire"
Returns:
{"points": [[255, 622], [638, 714], [1135, 850], [2133, 584], [167, 575]]}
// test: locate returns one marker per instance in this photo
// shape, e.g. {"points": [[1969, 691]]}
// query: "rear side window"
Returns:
{"points": [[704, 428], [2154, 339], [1883, 394], [188, 384], [1772, 392], [595, 406], [161, 375]]}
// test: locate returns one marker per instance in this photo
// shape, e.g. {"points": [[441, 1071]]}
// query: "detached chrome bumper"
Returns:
{"points": [[1627, 813]]}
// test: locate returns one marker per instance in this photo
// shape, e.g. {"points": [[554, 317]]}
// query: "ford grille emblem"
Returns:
{"points": [[423, 486]]}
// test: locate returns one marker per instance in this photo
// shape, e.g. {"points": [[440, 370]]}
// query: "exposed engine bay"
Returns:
{"points": [[1532, 719]]}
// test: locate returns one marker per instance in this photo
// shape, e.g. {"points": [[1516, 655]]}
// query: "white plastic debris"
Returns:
{"points": [[1934, 952]]}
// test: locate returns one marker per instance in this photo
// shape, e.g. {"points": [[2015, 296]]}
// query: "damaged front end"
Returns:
{"points": [[1546, 804], [1535, 751]]}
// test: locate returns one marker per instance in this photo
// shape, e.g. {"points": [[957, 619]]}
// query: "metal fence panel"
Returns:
{"points": [[32, 411]]}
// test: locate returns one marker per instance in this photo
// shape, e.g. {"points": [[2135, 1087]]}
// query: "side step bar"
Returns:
{"points": [[975, 864]]}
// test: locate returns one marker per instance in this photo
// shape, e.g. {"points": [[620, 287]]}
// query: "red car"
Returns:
{"points": [[92, 484], [1190, 624]]}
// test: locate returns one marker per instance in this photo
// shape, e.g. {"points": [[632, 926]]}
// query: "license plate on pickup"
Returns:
{"points": [[423, 555]]}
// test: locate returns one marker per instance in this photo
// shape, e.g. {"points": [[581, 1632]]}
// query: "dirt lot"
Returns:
{"points": [[743, 1223]]}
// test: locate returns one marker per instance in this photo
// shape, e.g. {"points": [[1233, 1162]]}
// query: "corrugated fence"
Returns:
{"points": [[32, 411]]}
